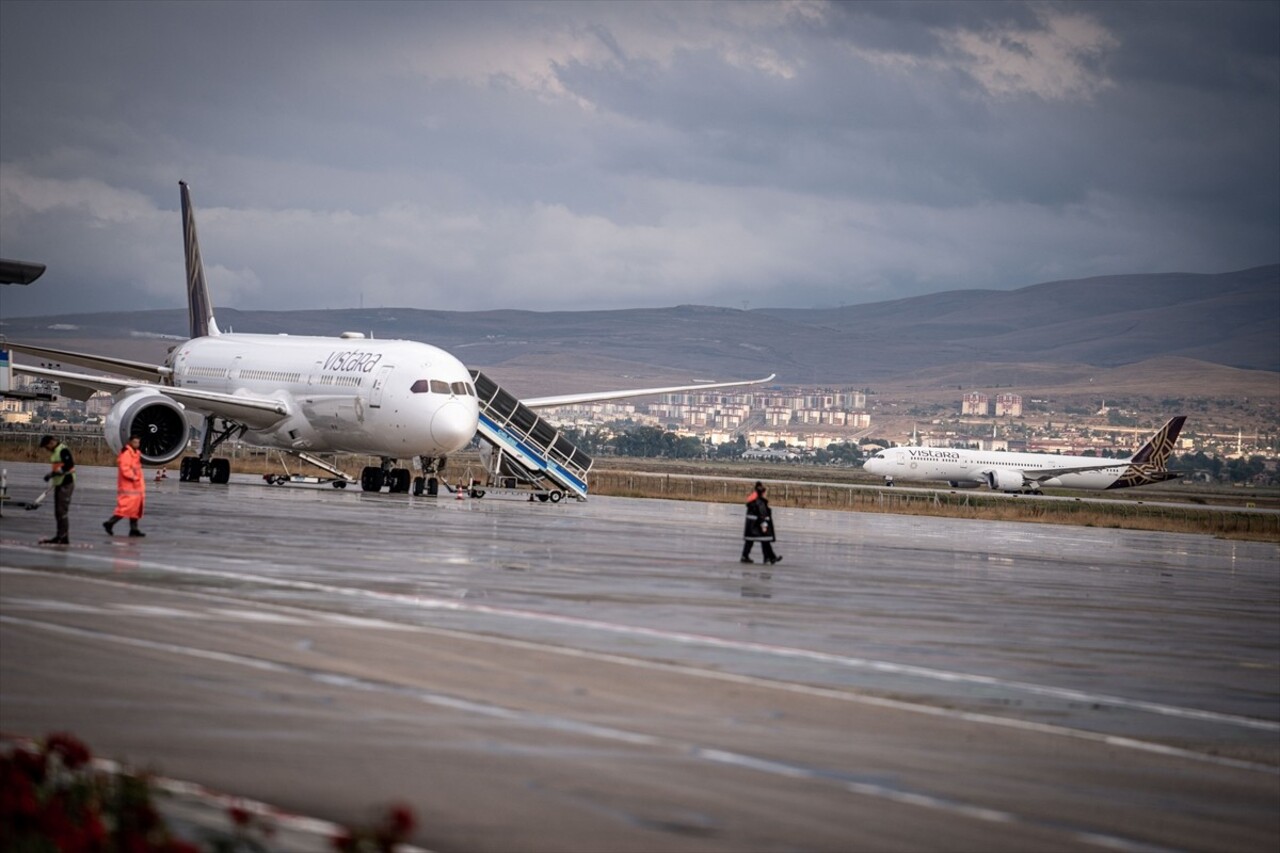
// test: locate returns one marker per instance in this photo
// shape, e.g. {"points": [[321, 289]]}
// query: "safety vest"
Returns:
{"points": [[55, 459]]}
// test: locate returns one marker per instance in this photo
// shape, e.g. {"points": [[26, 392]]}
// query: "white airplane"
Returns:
{"points": [[302, 395], [1019, 472]]}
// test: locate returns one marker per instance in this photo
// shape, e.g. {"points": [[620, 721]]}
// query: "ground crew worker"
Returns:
{"points": [[759, 527], [131, 488], [63, 481]]}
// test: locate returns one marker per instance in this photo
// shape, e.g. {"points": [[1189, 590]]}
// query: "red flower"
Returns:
{"points": [[17, 790], [69, 748], [239, 815], [28, 764], [401, 820], [174, 846]]}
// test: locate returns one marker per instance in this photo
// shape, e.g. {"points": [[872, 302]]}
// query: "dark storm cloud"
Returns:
{"points": [[549, 155]]}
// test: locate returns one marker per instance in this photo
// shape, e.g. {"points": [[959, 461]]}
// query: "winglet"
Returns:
{"points": [[199, 308]]}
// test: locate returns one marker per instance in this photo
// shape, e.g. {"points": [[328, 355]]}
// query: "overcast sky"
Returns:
{"points": [[550, 156]]}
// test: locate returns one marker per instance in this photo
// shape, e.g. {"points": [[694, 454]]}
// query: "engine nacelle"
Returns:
{"points": [[1005, 481], [158, 420]]}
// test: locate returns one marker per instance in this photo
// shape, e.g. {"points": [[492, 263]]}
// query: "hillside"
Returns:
{"points": [[1222, 332]]}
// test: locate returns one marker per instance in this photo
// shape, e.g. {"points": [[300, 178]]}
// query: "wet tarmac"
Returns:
{"points": [[608, 676]]}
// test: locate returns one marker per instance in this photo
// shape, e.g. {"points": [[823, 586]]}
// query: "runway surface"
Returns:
{"points": [[608, 677]]}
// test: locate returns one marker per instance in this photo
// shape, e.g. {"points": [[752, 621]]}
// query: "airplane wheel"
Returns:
{"points": [[371, 478], [339, 484], [556, 496], [419, 486], [189, 470], [219, 471], [398, 480]]}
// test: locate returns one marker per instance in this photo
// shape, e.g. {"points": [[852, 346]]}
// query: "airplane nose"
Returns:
{"points": [[454, 425]]}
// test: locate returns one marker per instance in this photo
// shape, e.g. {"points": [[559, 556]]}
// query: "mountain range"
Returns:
{"points": [[1219, 332]]}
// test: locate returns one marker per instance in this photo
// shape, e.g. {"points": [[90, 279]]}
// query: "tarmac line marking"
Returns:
{"points": [[258, 616], [575, 727], [49, 604], [1115, 741], [888, 667], [150, 610]]}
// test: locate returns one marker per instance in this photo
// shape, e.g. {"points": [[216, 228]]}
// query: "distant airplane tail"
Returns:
{"points": [[199, 308], [1150, 463]]}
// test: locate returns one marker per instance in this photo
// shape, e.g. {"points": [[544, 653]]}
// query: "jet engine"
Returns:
{"points": [[1005, 481], [160, 422]]}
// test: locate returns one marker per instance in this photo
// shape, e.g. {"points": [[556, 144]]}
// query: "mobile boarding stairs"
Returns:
{"points": [[530, 457]]}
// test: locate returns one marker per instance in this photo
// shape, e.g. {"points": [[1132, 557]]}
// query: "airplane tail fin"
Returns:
{"points": [[1157, 449], [1150, 463], [199, 308]]}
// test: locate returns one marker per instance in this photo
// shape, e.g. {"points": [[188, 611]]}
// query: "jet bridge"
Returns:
{"points": [[527, 447]]}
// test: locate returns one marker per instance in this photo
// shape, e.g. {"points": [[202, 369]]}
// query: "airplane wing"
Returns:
{"points": [[597, 396], [122, 366], [255, 412], [1039, 475]]}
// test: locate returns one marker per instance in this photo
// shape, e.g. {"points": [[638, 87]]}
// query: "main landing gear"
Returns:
{"points": [[217, 469], [400, 480]]}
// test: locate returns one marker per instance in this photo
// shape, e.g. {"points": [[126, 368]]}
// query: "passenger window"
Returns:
{"points": [[422, 386], [439, 386]]}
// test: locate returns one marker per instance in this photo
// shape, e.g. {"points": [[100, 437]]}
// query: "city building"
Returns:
{"points": [[975, 403], [1008, 405]]}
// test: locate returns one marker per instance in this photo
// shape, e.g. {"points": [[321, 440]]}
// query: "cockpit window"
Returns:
{"points": [[439, 386]]}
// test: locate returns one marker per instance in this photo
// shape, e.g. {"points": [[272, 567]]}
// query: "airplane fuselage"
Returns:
{"points": [[989, 468], [349, 394]]}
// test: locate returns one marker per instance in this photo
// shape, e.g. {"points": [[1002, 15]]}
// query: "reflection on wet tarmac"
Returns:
{"points": [[1143, 642], [757, 585]]}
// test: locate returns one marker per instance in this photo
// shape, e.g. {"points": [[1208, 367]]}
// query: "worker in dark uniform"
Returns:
{"points": [[759, 527], [63, 480]]}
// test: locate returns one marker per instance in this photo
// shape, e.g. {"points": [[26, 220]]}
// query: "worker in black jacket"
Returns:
{"points": [[759, 527]]}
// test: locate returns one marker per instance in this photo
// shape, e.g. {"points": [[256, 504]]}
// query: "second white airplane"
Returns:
{"points": [[396, 400], [1021, 472]]}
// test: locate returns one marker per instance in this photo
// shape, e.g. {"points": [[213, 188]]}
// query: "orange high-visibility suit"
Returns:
{"points": [[131, 488]]}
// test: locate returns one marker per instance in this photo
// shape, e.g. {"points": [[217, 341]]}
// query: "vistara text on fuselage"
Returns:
{"points": [[349, 394]]}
